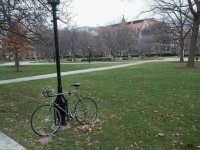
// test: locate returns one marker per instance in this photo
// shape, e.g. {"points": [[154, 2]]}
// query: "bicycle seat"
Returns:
{"points": [[76, 84]]}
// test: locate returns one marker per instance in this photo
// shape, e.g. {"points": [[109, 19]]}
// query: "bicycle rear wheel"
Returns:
{"points": [[86, 111], [45, 120]]}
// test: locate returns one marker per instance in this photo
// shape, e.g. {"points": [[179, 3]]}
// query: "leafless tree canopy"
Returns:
{"points": [[35, 15], [183, 17], [176, 14]]}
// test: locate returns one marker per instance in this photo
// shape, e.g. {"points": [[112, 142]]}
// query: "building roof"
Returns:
{"points": [[137, 24]]}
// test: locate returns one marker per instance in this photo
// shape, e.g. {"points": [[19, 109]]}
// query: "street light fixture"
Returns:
{"points": [[60, 99]]}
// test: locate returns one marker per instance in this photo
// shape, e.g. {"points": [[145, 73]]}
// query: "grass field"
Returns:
{"points": [[9, 72], [151, 106]]}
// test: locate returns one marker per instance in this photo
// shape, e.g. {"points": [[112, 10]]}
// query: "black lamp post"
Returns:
{"points": [[60, 100]]}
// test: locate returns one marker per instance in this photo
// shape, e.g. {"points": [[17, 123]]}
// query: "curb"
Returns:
{"points": [[6, 143]]}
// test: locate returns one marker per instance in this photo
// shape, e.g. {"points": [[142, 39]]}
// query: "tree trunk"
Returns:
{"points": [[112, 57], [149, 55], [73, 55], [142, 56], [181, 40], [129, 56], [181, 53], [193, 45], [84, 53], [112, 54], [2, 56], [120, 53], [16, 60], [130, 53]]}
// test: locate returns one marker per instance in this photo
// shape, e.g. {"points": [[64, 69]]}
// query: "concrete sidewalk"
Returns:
{"points": [[6, 143], [35, 63], [46, 76]]}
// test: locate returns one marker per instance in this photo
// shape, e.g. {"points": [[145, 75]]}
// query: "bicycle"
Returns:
{"points": [[46, 119]]}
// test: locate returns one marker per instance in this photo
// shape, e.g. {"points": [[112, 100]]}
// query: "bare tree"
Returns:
{"points": [[85, 43], [109, 36], [98, 45], [156, 39], [134, 43], [72, 38], [175, 13], [34, 15], [44, 49], [124, 39], [195, 30]]}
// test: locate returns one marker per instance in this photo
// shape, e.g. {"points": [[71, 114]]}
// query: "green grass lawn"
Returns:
{"points": [[9, 72], [150, 106]]}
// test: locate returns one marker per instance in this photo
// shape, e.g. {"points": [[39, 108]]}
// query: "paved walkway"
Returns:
{"points": [[26, 63], [6, 143], [46, 76]]}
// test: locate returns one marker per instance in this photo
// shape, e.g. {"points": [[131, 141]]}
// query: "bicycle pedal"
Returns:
{"points": [[70, 115]]}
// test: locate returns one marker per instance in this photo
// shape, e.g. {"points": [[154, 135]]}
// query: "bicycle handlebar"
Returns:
{"points": [[49, 92], [68, 93]]}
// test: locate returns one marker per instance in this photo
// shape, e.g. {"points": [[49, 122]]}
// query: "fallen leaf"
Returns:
{"points": [[160, 134], [190, 146], [45, 140]]}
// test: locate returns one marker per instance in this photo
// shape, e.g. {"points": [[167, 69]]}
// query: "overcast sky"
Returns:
{"points": [[104, 12]]}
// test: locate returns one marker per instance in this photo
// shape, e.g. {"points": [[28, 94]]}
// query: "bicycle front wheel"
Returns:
{"points": [[86, 111], [46, 120]]}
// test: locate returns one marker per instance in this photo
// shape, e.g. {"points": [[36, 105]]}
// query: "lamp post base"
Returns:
{"points": [[62, 102]]}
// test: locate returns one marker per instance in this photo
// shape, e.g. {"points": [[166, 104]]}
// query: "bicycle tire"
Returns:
{"points": [[45, 120], [86, 110]]}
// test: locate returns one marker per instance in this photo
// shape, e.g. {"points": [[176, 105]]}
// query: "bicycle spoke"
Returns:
{"points": [[43, 121], [86, 111]]}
